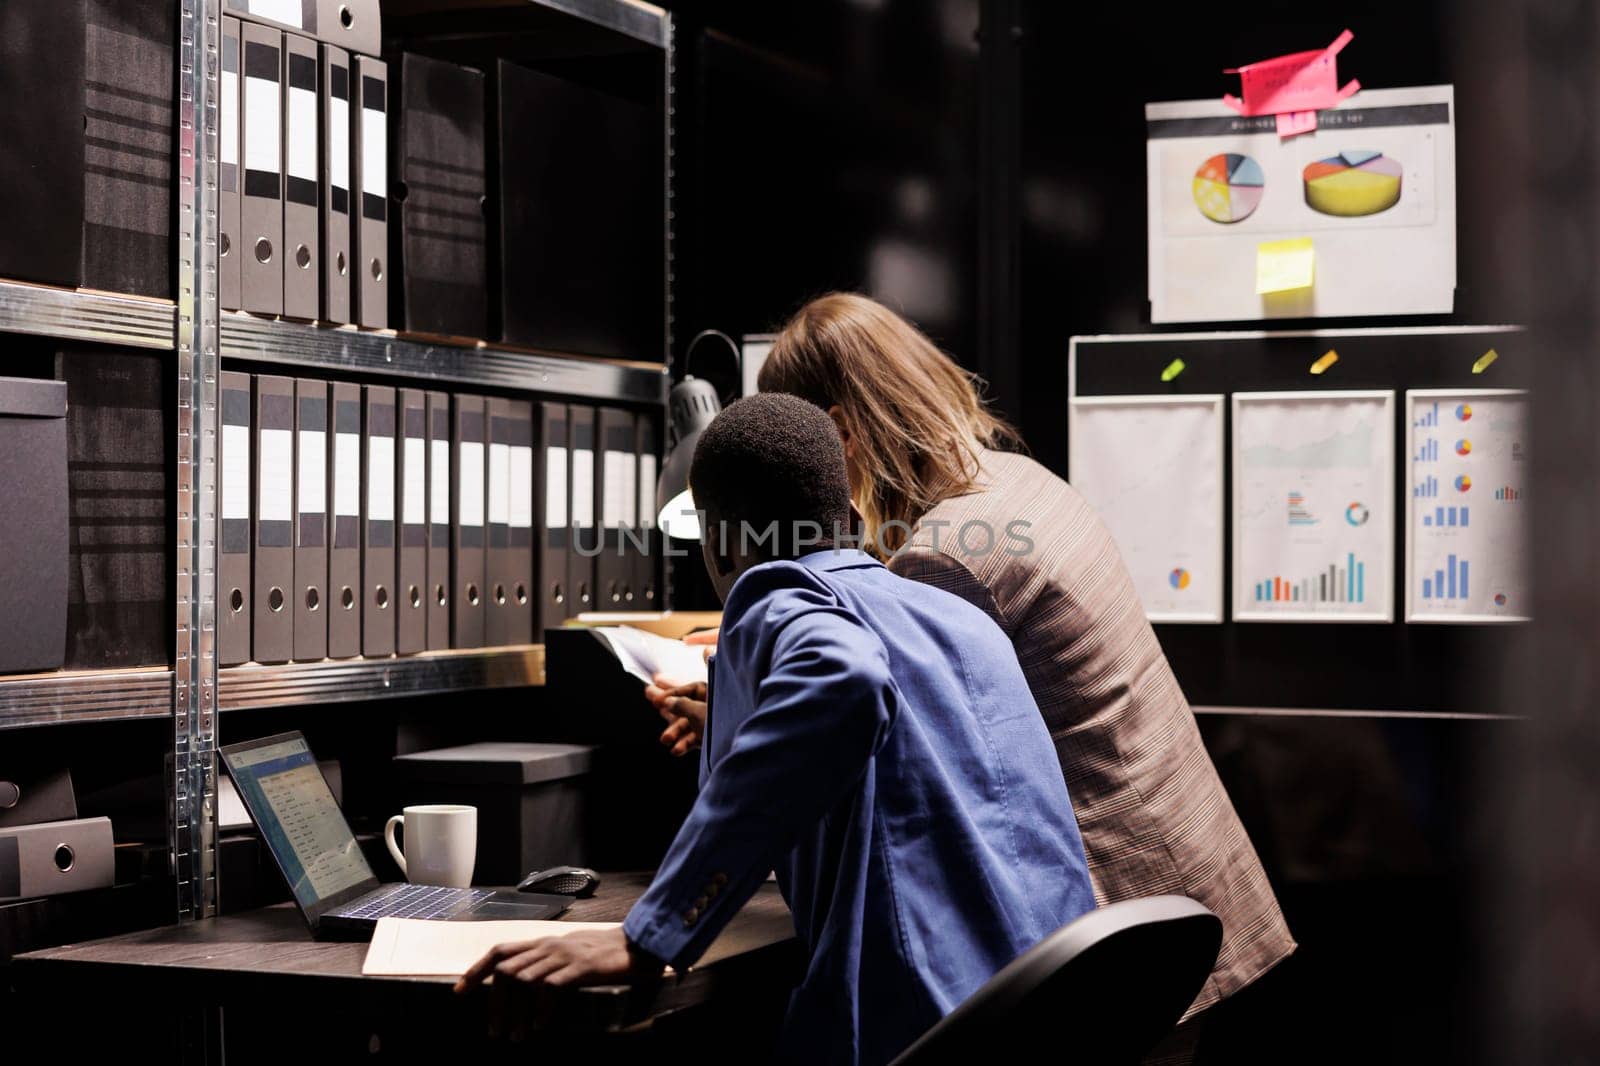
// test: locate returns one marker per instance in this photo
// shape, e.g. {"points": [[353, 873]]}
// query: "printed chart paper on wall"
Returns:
{"points": [[1313, 506], [1467, 526], [1373, 188], [1152, 467]]}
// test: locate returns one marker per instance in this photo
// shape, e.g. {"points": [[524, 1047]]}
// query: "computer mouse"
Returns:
{"points": [[563, 881]]}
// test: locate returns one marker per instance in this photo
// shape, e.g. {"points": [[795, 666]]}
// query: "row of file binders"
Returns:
{"points": [[302, 169], [368, 520]]}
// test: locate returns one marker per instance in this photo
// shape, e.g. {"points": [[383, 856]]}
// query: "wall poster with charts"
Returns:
{"points": [[1152, 467], [1467, 505], [1313, 506]]}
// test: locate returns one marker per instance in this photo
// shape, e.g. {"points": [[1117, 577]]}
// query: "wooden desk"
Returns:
{"points": [[262, 969]]}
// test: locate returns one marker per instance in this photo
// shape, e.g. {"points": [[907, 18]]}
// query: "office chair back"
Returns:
{"points": [[1100, 991]]}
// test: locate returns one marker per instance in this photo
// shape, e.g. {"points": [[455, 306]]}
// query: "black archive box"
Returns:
{"points": [[33, 524]]}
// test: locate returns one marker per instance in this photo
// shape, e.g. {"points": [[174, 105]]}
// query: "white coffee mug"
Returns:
{"points": [[441, 844]]}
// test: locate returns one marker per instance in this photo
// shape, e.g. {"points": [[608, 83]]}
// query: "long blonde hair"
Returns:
{"points": [[915, 419]]}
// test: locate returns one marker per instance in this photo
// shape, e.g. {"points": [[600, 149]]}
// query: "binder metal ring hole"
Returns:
{"points": [[263, 250], [377, 270], [522, 593], [439, 596], [65, 857], [10, 795], [302, 257], [339, 262], [275, 599], [313, 599], [583, 592], [347, 597], [414, 594], [236, 600], [614, 592], [627, 593], [346, 17], [649, 592], [500, 595], [224, 244], [558, 594], [472, 595], [380, 596]]}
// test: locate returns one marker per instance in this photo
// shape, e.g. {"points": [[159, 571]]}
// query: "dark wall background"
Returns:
{"points": [[996, 195]]}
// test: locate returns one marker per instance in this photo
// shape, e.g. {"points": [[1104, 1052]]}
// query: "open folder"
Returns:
{"points": [[415, 947], [645, 654]]}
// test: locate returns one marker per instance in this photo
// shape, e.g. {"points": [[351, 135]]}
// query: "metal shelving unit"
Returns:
{"points": [[191, 690], [459, 361], [349, 680], [84, 315], [85, 696]]}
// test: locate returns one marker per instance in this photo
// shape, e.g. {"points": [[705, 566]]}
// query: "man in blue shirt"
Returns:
{"points": [[872, 740]]}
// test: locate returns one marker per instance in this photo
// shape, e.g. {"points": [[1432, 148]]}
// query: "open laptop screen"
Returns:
{"points": [[298, 818]]}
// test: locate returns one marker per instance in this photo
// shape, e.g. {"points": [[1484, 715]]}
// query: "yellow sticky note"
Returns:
{"points": [[1282, 266]]}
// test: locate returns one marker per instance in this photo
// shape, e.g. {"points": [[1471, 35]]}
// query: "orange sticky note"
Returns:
{"points": [[1283, 266]]}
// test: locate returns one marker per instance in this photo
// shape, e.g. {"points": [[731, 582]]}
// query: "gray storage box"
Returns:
{"points": [[532, 799], [33, 524]]}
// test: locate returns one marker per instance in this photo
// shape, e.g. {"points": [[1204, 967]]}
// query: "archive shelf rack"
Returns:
{"points": [[202, 341]]}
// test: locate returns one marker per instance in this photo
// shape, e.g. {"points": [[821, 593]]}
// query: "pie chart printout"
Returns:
{"points": [[1227, 187], [1352, 184]]}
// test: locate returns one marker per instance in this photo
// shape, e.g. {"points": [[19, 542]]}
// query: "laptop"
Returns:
{"points": [[287, 796]]}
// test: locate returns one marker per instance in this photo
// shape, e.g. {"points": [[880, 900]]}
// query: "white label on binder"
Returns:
{"points": [[630, 490], [303, 134], [471, 510], [347, 475], [647, 492], [582, 488], [439, 483], [284, 11], [611, 503], [235, 471], [380, 479], [522, 487], [313, 471], [499, 484], [277, 473], [339, 143], [374, 155], [230, 117], [412, 511], [555, 488], [261, 125]]}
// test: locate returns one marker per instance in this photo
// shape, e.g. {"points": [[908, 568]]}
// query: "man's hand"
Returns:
{"points": [[684, 708], [585, 957]]}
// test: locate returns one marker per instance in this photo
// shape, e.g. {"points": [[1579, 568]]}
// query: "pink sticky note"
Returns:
{"points": [[1293, 122], [1303, 81]]}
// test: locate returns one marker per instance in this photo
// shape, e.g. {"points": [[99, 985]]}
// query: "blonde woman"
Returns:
{"points": [[947, 504]]}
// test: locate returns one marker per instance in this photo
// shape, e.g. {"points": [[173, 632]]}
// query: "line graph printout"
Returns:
{"points": [[1313, 499], [1467, 526], [1152, 467]]}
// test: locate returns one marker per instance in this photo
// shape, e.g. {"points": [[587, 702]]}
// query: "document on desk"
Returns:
{"points": [[644, 654], [415, 947]]}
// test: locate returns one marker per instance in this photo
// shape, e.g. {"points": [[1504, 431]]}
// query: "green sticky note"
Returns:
{"points": [[1283, 266]]}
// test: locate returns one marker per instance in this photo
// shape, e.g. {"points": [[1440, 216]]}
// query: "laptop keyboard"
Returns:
{"points": [[417, 901]]}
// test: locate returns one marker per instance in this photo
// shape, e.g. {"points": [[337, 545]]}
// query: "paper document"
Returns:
{"points": [[415, 947], [644, 654]]}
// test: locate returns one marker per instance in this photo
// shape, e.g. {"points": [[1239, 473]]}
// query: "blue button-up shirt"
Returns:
{"points": [[873, 741]]}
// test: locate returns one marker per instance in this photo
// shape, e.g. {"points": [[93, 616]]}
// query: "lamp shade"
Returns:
{"points": [[691, 407]]}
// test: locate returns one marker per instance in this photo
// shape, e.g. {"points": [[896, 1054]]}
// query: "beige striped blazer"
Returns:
{"points": [[1154, 816]]}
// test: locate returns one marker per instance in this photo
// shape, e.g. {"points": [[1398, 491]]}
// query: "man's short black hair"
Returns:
{"points": [[773, 458]]}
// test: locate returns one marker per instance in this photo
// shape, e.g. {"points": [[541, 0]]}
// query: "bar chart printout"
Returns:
{"points": [[1467, 541], [1152, 466], [1313, 478]]}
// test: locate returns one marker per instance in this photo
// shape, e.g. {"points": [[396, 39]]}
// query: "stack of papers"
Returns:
{"points": [[415, 947], [645, 654]]}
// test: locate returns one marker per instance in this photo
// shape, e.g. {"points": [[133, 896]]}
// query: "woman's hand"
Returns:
{"points": [[585, 957]]}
